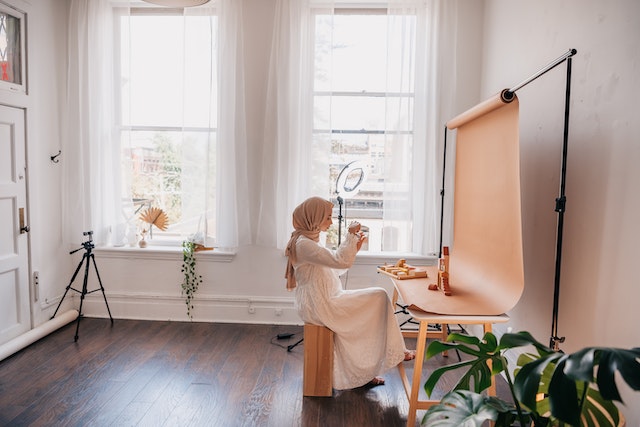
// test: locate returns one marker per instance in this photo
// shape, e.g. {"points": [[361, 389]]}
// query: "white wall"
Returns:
{"points": [[599, 281], [47, 48], [46, 22]]}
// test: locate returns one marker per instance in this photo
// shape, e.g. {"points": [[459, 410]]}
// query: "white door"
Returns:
{"points": [[15, 317]]}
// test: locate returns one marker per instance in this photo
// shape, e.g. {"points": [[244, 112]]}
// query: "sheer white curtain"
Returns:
{"points": [[426, 69], [93, 173], [419, 37], [288, 121], [441, 77], [89, 154], [232, 209]]}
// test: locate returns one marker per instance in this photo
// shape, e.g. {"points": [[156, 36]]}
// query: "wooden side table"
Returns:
{"points": [[412, 388]]}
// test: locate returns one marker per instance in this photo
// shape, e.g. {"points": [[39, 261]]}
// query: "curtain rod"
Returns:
{"points": [[508, 94]]}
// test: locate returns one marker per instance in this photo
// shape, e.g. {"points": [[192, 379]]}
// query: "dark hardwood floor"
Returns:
{"points": [[145, 373]]}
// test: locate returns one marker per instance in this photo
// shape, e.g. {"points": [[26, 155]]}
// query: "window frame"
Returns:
{"points": [[411, 96], [161, 239], [19, 87]]}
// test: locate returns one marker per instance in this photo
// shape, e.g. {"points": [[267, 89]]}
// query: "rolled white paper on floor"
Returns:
{"points": [[28, 338]]}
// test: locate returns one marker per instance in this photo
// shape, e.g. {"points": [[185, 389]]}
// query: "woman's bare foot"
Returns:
{"points": [[376, 381], [409, 355]]}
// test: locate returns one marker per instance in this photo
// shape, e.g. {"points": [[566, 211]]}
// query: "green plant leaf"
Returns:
{"points": [[478, 375], [431, 382], [460, 408], [521, 339], [580, 364], [626, 362], [563, 396], [454, 341], [463, 338], [598, 411], [527, 380]]}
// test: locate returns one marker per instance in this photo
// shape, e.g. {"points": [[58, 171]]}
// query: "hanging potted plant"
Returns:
{"points": [[191, 279], [549, 388]]}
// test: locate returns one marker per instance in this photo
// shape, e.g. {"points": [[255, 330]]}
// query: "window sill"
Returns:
{"points": [[163, 253], [227, 255], [379, 258]]}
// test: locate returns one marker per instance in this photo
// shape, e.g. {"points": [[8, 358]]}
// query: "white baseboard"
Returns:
{"points": [[207, 308]]}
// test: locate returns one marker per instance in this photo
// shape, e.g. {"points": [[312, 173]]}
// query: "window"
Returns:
{"points": [[363, 110], [168, 119], [12, 65]]}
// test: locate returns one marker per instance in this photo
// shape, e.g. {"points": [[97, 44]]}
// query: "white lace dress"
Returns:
{"points": [[367, 338]]}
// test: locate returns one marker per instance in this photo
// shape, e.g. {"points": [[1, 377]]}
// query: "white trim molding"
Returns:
{"points": [[207, 308]]}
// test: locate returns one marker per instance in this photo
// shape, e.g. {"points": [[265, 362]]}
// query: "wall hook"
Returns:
{"points": [[54, 158]]}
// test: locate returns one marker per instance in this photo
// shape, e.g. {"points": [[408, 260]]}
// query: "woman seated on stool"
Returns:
{"points": [[367, 338]]}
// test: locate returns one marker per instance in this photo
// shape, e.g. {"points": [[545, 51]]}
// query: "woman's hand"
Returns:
{"points": [[354, 227], [361, 239]]}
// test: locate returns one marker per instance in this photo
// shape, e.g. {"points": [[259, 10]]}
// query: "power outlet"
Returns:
{"points": [[36, 285]]}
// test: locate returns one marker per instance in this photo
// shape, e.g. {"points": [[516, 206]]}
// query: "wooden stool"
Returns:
{"points": [[318, 361]]}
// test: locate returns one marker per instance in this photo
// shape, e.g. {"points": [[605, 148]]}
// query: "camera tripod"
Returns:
{"points": [[88, 255]]}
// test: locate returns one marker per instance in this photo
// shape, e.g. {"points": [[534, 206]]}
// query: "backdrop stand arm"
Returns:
{"points": [[509, 94]]}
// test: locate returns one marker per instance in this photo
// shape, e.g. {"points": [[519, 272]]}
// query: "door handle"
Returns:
{"points": [[23, 228]]}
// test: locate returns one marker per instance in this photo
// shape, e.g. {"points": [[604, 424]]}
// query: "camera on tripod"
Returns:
{"points": [[88, 245]]}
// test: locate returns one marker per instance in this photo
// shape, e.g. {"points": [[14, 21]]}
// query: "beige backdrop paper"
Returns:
{"points": [[486, 261]]}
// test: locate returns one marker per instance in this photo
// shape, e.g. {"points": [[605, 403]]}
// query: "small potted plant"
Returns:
{"points": [[549, 388]]}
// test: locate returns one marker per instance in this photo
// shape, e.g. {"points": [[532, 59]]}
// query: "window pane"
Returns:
{"points": [[363, 112], [173, 171], [168, 71], [10, 49], [351, 112], [353, 50]]}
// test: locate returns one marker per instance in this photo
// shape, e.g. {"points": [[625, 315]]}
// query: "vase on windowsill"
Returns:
{"points": [[142, 242]]}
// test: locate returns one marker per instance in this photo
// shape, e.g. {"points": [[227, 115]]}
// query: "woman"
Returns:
{"points": [[367, 338]]}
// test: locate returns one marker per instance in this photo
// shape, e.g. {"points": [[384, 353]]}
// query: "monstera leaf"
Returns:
{"points": [[487, 361], [568, 383], [464, 408], [550, 388]]}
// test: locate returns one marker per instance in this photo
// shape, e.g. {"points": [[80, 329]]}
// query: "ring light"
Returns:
{"points": [[350, 178]]}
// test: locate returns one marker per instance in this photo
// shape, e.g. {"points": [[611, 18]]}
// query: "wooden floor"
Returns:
{"points": [[144, 373]]}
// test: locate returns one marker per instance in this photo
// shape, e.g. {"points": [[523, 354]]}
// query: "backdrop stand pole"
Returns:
{"points": [[560, 208], [444, 167]]}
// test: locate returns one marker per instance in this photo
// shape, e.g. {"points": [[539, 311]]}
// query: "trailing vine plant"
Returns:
{"points": [[191, 279]]}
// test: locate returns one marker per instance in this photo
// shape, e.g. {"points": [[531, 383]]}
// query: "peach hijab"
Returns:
{"points": [[307, 218]]}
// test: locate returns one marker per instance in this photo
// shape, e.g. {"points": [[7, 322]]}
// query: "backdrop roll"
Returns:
{"points": [[28, 338], [486, 271]]}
